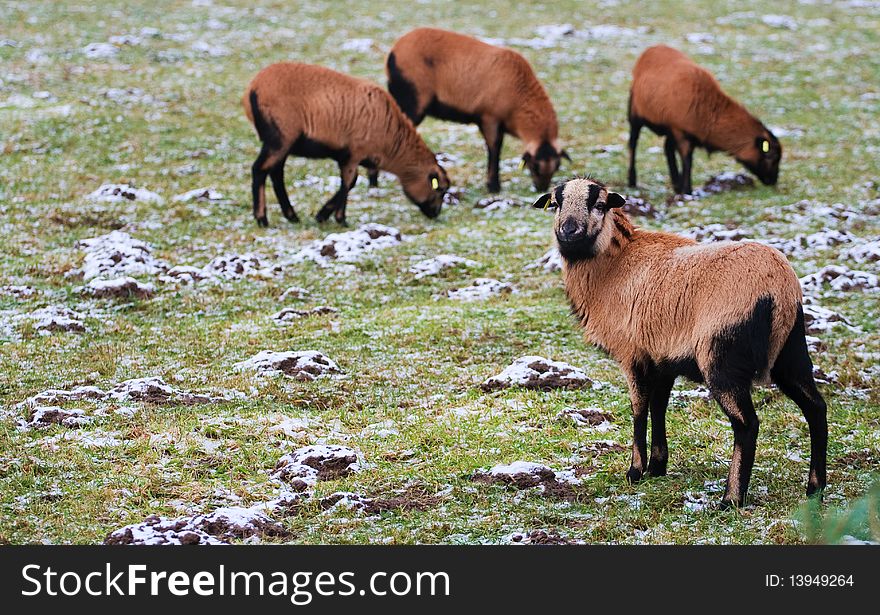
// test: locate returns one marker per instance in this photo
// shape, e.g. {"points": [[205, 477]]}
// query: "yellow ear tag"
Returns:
{"points": [[765, 146], [434, 183], [546, 204], [522, 164]]}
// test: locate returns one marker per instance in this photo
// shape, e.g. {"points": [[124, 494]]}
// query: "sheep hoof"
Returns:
{"points": [[292, 217], [263, 221], [633, 475], [321, 218], [655, 468], [816, 492], [493, 187]]}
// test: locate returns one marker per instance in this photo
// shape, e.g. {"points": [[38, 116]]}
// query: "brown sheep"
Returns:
{"points": [[316, 112], [459, 78], [726, 313], [682, 101]]}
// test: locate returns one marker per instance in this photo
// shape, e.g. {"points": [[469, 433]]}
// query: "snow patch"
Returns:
{"points": [[117, 254], [349, 246], [439, 263], [122, 193], [480, 290]]}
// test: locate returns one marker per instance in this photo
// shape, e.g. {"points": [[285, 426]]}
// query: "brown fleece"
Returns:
{"points": [[343, 113], [491, 83], [669, 90], [659, 296]]}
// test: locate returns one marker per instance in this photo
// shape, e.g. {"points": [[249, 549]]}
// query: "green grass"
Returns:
{"points": [[409, 358]]}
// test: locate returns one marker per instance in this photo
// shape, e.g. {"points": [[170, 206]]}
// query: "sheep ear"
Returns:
{"points": [[543, 202], [565, 155], [615, 200]]}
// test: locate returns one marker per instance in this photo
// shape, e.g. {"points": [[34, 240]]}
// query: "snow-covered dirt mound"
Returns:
{"points": [[117, 254], [54, 318], [121, 193], [534, 372], [217, 527], [349, 246], [480, 290], [124, 287], [302, 365], [840, 279], [305, 466], [438, 264]]}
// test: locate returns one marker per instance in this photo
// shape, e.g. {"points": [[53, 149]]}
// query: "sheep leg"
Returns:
{"points": [[494, 136], [793, 374], [736, 401], [640, 386], [635, 127], [277, 175], [373, 176], [349, 179], [669, 148], [686, 151], [258, 186], [657, 405]]}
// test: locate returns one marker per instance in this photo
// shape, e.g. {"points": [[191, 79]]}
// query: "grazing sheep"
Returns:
{"points": [[316, 112], [682, 101], [725, 313], [459, 78]]}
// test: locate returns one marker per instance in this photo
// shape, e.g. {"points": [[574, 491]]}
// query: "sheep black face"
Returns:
{"points": [[582, 228], [764, 158], [427, 192], [543, 164]]}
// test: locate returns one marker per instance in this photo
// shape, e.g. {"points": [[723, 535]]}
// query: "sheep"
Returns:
{"points": [[727, 314], [682, 101], [315, 112], [455, 77]]}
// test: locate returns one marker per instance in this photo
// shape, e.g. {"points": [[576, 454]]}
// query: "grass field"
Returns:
{"points": [[157, 107]]}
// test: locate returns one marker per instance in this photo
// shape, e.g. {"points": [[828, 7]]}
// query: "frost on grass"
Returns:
{"points": [[288, 315], [550, 262], [305, 466], [123, 193], [349, 246], [438, 264], [840, 279], [54, 318], [217, 527], [480, 290], [117, 254], [302, 365], [123, 287], [534, 372]]}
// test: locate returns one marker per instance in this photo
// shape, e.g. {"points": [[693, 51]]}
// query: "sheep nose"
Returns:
{"points": [[570, 230]]}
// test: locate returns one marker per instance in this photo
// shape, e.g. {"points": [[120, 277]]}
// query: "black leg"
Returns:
{"points": [[793, 374], [687, 159], [669, 148], [658, 403], [635, 127], [332, 205], [258, 187], [373, 176], [494, 136], [349, 179], [736, 401], [277, 175], [640, 380]]}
